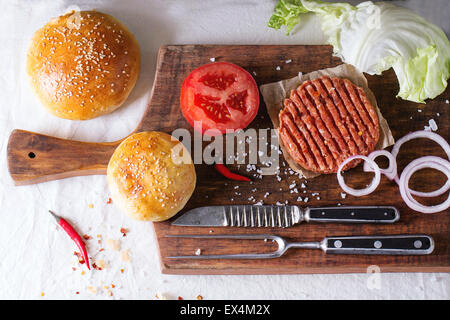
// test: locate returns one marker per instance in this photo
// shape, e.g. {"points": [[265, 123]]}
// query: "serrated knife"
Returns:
{"points": [[283, 216]]}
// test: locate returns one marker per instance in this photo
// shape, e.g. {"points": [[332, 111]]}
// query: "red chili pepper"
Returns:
{"points": [[228, 174], [73, 235]]}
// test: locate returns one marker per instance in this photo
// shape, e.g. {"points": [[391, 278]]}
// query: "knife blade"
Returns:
{"points": [[283, 216]]}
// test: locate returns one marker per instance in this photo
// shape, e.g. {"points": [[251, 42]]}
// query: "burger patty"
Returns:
{"points": [[327, 120]]}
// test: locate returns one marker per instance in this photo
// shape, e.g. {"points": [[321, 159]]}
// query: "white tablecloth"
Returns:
{"points": [[37, 257]]}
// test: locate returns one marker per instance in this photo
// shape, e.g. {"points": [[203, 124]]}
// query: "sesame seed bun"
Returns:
{"points": [[151, 176], [83, 64]]}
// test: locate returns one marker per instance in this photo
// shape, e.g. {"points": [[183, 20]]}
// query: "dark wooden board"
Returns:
{"points": [[52, 161]]}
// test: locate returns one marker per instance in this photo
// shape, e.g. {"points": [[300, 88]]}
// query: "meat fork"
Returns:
{"points": [[386, 245]]}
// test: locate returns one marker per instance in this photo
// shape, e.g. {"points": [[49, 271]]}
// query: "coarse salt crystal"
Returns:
{"points": [[433, 124], [212, 59], [290, 60], [198, 252], [278, 68]]}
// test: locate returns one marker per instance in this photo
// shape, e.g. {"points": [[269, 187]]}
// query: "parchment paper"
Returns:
{"points": [[275, 93]]}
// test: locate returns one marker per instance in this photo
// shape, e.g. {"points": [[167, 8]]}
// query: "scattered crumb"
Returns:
{"points": [[42, 294], [109, 201], [113, 244], [92, 289], [199, 297], [100, 264], [160, 296], [90, 205], [180, 298], [86, 237], [125, 255]]}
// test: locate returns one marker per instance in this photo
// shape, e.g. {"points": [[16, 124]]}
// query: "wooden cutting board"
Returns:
{"points": [[34, 158]]}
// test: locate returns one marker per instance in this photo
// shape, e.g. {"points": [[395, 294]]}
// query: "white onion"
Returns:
{"points": [[418, 164], [360, 192], [391, 171], [432, 162], [428, 135]]}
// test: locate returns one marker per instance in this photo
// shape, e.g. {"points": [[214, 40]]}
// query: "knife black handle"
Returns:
{"points": [[363, 214], [391, 245]]}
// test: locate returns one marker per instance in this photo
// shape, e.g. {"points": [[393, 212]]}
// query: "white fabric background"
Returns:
{"points": [[36, 256]]}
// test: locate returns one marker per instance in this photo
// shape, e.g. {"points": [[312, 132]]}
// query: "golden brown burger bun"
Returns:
{"points": [[83, 64], [151, 176]]}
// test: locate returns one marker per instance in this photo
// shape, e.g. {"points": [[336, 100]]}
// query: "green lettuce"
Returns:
{"points": [[377, 36]]}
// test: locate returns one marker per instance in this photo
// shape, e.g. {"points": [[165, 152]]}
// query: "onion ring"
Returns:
{"points": [[391, 171], [360, 192], [428, 135], [421, 163]]}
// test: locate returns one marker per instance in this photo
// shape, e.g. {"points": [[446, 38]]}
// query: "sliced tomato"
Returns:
{"points": [[219, 96]]}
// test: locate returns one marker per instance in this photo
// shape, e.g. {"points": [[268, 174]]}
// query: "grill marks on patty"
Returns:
{"points": [[327, 120]]}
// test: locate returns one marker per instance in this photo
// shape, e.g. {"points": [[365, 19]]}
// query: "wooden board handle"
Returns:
{"points": [[35, 158]]}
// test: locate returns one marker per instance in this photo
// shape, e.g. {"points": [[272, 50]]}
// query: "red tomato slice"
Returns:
{"points": [[221, 96]]}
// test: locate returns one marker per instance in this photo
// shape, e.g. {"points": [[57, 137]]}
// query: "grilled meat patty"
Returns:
{"points": [[327, 120]]}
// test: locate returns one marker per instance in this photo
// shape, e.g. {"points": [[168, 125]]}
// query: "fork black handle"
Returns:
{"points": [[391, 245], [355, 214]]}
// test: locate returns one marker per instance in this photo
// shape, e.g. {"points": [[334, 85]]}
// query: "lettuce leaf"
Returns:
{"points": [[287, 12], [376, 37]]}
